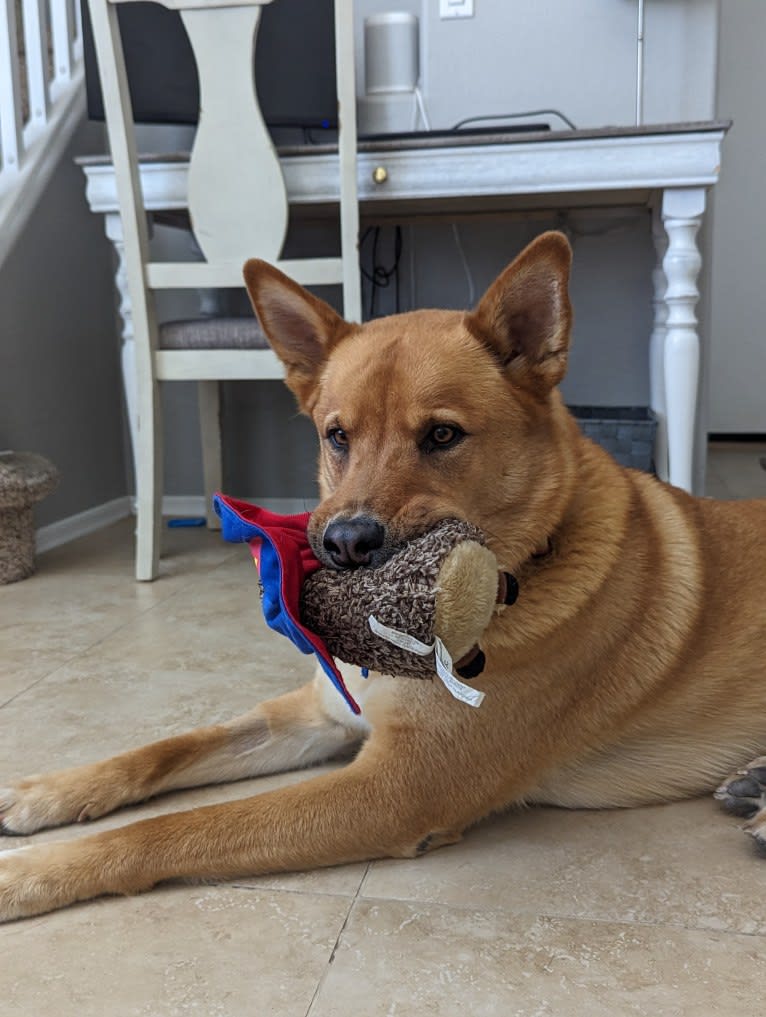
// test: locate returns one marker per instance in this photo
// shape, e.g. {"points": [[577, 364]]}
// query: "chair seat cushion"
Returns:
{"points": [[213, 334]]}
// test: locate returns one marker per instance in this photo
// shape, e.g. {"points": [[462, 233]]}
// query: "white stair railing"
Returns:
{"points": [[42, 99]]}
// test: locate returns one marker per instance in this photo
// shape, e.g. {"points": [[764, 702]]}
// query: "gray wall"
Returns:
{"points": [[578, 56], [60, 392], [738, 341], [611, 287]]}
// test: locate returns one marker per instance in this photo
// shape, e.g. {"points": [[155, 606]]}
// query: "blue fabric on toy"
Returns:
{"points": [[284, 559]]}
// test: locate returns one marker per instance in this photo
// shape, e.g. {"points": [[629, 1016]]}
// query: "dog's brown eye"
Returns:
{"points": [[442, 436], [338, 438]]}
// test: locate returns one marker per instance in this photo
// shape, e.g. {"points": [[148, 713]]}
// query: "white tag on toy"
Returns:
{"points": [[456, 688], [400, 639], [461, 691]]}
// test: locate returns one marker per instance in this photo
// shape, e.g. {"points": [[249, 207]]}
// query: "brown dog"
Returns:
{"points": [[630, 670]]}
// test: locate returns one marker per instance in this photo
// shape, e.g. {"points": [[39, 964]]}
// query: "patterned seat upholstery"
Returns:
{"points": [[213, 334]]}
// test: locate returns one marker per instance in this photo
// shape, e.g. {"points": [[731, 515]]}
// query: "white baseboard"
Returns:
{"points": [[82, 523], [181, 505], [173, 505]]}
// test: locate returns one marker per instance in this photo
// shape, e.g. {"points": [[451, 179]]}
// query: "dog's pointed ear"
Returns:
{"points": [[301, 328], [525, 317]]}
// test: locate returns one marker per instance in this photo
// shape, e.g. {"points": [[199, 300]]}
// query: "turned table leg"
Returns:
{"points": [[682, 210]]}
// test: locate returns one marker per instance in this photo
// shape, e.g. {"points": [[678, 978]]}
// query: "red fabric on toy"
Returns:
{"points": [[283, 555]]}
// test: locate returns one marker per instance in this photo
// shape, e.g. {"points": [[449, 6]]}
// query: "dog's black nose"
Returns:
{"points": [[350, 542]]}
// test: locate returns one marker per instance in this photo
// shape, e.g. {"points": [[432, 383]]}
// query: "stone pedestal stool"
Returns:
{"points": [[25, 478]]}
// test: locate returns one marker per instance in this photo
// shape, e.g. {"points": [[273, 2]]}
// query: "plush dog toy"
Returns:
{"points": [[412, 616]]}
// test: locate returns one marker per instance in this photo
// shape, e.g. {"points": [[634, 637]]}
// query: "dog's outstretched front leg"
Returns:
{"points": [[286, 733], [379, 805]]}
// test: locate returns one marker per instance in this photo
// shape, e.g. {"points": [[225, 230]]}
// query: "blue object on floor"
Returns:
{"points": [[187, 521]]}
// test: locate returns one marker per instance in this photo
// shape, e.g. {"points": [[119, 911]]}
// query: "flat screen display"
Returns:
{"points": [[294, 65]]}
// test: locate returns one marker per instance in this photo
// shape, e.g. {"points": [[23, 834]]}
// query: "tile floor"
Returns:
{"points": [[657, 911]]}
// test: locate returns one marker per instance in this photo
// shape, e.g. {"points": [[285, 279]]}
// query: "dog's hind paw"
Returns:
{"points": [[744, 792], [756, 828]]}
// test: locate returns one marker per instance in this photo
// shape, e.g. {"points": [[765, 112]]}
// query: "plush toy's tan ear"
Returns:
{"points": [[466, 596], [525, 317], [301, 328]]}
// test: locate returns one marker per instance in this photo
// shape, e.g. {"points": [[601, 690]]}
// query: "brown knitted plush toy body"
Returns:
{"points": [[412, 616]]}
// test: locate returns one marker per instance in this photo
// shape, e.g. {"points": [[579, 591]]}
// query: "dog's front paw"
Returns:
{"points": [[33, 804], [52, 799], [744, 792]]}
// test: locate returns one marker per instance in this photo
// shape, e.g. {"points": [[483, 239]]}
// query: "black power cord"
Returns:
{"points": [[380, 275]]}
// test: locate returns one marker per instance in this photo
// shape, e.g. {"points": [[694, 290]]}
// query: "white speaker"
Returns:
{"points": [[391, 52], [391, 71]]}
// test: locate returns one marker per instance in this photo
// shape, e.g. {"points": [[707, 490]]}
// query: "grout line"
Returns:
{"points": [[279, 889], [42, 678], [365, 877], [511, 914], [325, 974], [467, 909]]}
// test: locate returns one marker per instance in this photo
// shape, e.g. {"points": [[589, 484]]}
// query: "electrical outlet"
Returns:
{"points": [[455, 9]]}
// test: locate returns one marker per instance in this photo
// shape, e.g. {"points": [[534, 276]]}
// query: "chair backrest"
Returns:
{"points": [[237, 199]]}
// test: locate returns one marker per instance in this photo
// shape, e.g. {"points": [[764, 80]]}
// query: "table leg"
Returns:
{"points": [[682, 210]]}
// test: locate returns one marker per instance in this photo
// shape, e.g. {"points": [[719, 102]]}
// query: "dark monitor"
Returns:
{"points": [[295, 65]]}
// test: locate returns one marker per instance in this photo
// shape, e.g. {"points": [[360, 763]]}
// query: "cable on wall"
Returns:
{"points": [[380, 275], [515, 116]]}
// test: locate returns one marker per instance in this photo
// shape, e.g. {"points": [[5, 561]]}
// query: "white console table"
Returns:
{"points": [[668, 168]]}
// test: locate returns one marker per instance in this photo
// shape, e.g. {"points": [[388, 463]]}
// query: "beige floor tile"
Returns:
{"points": [[85, 711], [83, 592], [69, 605], [737, 467], [212, 951], [66, 614], [185, 551], [183, 634], [684, 864], [21, 668], [81, 595], [397, 959], [715, 486], [213, 624], [185, 663]]}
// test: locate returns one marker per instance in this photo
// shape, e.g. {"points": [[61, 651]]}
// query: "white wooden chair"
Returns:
{"points": [[238, 209]]}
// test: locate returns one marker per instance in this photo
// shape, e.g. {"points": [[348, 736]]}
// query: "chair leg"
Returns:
{"points": [[149, 477], [209, 398]]}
